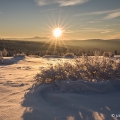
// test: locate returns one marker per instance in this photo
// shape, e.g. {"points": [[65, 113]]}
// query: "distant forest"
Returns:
{"points": [[72, 46]]}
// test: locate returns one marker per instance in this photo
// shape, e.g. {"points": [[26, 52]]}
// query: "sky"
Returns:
{"points": [[79, 19]]}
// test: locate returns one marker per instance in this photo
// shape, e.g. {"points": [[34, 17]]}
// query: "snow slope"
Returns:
{"points": [[22, 99]]}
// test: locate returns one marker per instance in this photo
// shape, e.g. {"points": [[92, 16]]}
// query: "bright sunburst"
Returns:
{"points": [[57, 32]]}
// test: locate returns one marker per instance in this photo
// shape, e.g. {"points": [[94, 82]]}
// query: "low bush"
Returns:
{"points": [[108, 54], [52, 56], [1, 57], [19, 55], [69, 55], [87, 68]]}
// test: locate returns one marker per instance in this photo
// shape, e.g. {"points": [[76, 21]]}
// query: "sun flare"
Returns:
{"points": [[57, 32]]}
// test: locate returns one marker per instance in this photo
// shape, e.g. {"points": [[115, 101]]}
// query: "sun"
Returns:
{"points": [[57, 32]]}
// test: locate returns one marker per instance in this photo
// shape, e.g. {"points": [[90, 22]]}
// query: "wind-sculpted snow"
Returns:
{"points": [[79, 100]]}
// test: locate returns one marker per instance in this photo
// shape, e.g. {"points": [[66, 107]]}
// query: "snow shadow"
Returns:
{"points": [[47, 102]]}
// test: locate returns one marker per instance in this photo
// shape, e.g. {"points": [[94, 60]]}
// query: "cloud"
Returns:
{"points": [[115, 36], [61, 2], [99, 30], [43, 2], [92, 22], [106, 11], [106, 31], [71, 2], [69, 31], [112, 15]]}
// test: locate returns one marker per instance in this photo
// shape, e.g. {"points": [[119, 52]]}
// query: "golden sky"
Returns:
{"points": [[79, 19]]}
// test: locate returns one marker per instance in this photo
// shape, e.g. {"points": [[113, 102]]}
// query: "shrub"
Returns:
{"points": [[51, 56], [34, 56], [87, 68], [1, 57], [69, 55], [108, 54], [19, 55], [5, 52]]}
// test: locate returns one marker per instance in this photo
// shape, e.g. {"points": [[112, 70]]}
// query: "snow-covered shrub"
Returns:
{"points": [[1, 57], [19, 55], [69, 55], [4, 52], [34, 56], [51, 56], [88, 68], [108, 54]]}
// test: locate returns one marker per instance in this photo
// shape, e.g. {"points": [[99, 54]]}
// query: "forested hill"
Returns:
{"points": [[77, 46], [107, 45]]}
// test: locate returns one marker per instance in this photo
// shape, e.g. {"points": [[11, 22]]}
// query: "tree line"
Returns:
{"points": [[12, 47]]}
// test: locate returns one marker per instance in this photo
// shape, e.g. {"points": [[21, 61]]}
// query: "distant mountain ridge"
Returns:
{"points": [[32, 38], [37, 37], [95, 40]]}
